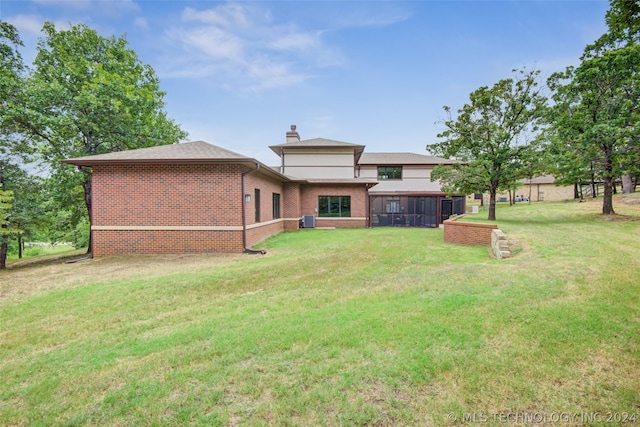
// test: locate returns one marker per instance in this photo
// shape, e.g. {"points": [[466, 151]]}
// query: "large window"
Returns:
{"points": [[334, 206], [276, 205], [389, 172]]}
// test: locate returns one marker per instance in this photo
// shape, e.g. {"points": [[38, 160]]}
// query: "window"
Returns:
{"points": [[257, 203], [276, 205], [334, 206], [389, 172]]}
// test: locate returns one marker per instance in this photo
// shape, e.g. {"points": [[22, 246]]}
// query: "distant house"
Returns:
{"points": [[544, 188], [540, 189], [199, 198]]}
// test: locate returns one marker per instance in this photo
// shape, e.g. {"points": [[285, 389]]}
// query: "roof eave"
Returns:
{"points": [[248, 162]]}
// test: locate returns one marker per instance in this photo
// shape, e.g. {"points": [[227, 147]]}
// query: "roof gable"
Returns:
{"points": [[279, 149]]}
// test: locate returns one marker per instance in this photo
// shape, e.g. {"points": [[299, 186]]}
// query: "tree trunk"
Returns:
{"points": [[492, 204], [607, 203], [86, 185], [20, 246], [4, 235], [594, 190], [627, 184], [4, 248]]}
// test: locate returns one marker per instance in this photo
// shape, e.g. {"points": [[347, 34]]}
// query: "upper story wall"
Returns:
{"points": [[337, 163], [415, 178], [409, 172]]}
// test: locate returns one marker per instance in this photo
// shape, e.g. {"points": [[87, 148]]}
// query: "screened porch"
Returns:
{"points": [[413, 211]]}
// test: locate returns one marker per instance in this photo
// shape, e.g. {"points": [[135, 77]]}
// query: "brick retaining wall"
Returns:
{"points": [[467, 233]]}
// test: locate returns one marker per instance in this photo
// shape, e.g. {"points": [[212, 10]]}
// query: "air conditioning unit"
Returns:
{"points": [[308, 221]]}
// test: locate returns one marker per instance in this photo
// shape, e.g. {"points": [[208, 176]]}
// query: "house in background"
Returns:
{"points": [[539, 189], [199, 198], [544, 188]]}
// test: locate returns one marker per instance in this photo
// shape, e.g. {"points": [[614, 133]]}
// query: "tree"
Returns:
{"points": [[92, 95], [491, 136], [29, 199], [6, 197], [11, 69], [597, 103]]}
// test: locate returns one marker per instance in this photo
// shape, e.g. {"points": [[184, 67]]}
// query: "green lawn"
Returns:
{"points": [[38, 251], [386, 326]]}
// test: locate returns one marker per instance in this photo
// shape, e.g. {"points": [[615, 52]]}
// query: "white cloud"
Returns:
{"points": [[210, 41], [269, 75], [141, 23], [31, 24], [242, 47], [77, 4], [296, 41], [228, 16], [111, 5]]}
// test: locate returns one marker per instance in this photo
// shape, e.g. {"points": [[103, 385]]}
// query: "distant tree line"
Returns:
{"points": [[584, 131]]}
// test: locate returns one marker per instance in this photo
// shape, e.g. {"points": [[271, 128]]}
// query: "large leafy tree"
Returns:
{"points": [[29, 202], [91, 95], [11, 79], [6, 198], [596, 109], [492, 136]]}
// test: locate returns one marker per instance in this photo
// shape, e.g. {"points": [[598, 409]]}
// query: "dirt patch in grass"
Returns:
{"points": [[36, 276], [46, 259], [619, 217], [630, 200]]}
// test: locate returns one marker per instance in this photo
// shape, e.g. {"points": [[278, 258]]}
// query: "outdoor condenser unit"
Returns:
{"points": [[308, 221]]}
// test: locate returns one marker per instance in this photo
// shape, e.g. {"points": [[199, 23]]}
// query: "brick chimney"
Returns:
{"points": [[292, 135]]}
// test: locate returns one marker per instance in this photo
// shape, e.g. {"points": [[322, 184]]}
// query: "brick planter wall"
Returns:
{"points": [[468, 233]]}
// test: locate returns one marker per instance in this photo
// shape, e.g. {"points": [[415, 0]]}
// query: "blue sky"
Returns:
{"points": [[238, 74]]}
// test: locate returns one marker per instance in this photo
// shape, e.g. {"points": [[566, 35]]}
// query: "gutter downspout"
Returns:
{"points": [[244, 216]]}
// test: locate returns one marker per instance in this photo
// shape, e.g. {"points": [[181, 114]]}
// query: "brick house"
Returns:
{"points": [[199, 198]]}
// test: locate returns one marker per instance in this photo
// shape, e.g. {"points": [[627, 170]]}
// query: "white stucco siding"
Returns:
{"points": [[412, 172], [407, 185], [368, 172], [319, 164], [408, 172]]}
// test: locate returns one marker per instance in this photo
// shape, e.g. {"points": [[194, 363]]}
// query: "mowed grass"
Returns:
{"points": [[386, 326]]}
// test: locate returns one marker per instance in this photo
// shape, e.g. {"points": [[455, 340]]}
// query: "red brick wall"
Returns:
{"points": [[178, 196], [309, 203], [291, 208], [267, 189], [135, 242], [170, 195], [467, 233]]}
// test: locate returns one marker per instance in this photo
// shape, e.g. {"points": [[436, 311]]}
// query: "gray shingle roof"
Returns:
{"points": [[402, 159], [196, 152], [545, 179], [317, 142], [188, 152]]}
